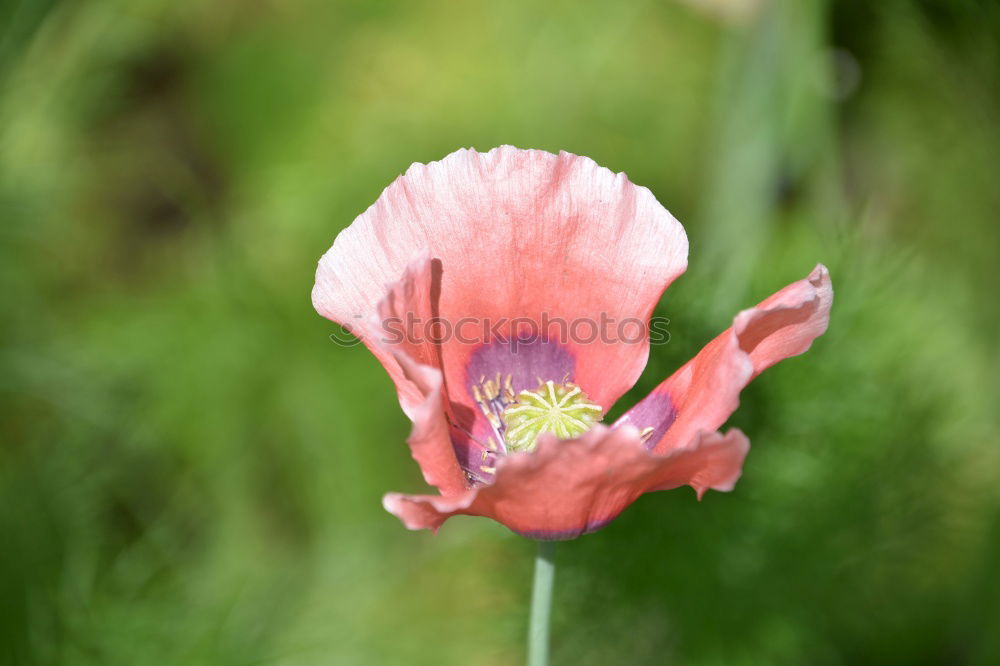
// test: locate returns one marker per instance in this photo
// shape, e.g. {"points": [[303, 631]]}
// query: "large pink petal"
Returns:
{"points": [[705, 391], [568, 488], [517, 233]]}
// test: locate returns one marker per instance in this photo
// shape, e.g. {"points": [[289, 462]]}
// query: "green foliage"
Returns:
{"points": [[191, 470]]}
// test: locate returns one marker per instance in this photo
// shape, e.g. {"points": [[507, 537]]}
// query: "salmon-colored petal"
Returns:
{"points": [[430, 439], [518, 234], [388, 336], [786, 323], [385, 332], [572, 487], [705, 391], [414, 369]]}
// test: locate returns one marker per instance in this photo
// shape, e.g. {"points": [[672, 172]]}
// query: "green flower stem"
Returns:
{"points": [[541, 604]]}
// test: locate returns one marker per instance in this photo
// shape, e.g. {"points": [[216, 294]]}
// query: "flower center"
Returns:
{"points": [[560, 409]]}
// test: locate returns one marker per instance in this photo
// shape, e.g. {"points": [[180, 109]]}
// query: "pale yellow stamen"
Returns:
{"points": [[560, 409]]}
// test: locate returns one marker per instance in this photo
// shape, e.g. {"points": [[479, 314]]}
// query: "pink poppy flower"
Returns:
{"points": [[463, 279]]}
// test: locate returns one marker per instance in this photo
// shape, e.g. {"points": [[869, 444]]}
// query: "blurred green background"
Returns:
{"points": [[191, 471]]}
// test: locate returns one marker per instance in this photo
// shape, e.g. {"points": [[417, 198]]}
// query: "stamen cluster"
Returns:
{"points": [[518, 421], [560, 409]]}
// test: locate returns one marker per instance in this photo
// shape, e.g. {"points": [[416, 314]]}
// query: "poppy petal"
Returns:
{"points": [[518, 234], [390, 335], [430, 440], [566, 488], [705, 391]]}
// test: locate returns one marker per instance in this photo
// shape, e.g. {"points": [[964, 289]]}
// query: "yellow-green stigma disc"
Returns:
{"points": [[560, 409]]}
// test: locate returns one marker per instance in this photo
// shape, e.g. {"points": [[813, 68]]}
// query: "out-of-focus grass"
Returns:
{"points": [[191, 471]]}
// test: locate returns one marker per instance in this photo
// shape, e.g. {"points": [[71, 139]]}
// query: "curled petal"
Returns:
{"points": [[786, 323], [388, 333], [566, 488], [429, 440], [705, 391]]}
